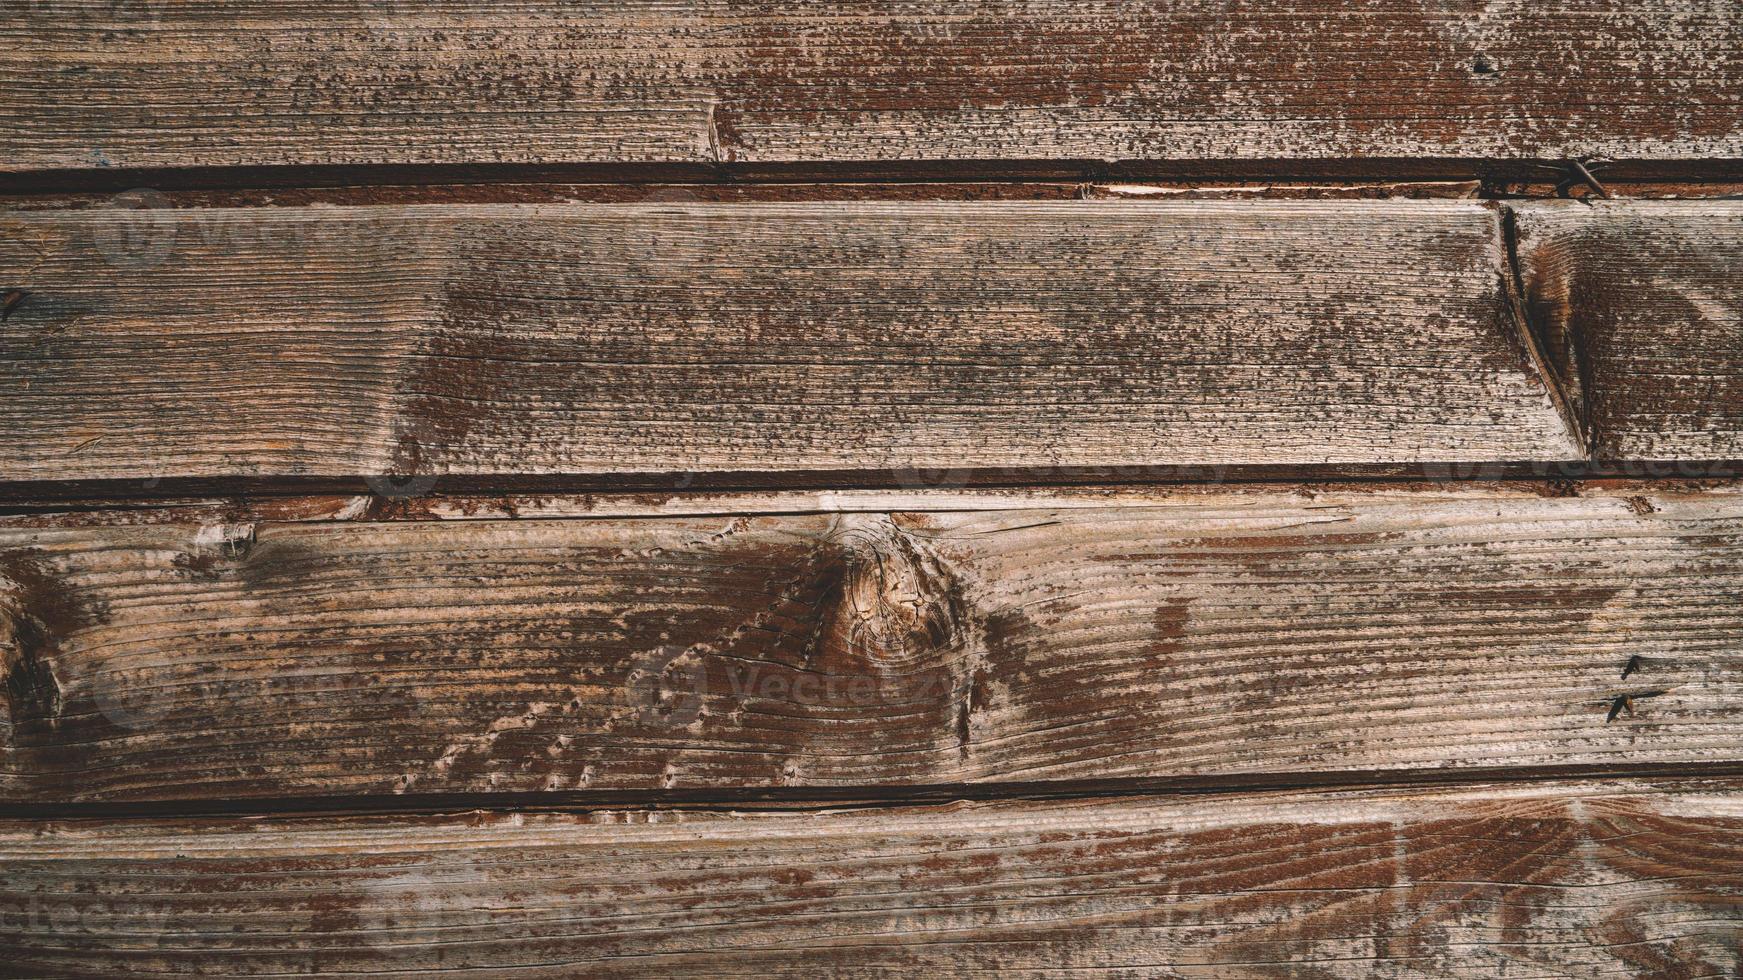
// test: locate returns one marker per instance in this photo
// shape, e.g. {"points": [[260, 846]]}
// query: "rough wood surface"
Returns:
{"points": [[916, 338], [1527, 881], [1639, 305], [96, 84], [1209, 633]]}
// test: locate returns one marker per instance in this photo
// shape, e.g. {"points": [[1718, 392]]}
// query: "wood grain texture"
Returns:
{"points": [[1210, 633], [94, 84], [655, 337], [1639, 305], [1529, 881]]}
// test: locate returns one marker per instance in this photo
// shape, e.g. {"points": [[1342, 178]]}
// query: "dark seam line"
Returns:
{"points": [[17, 496], [865, 797], [1403, 169]]}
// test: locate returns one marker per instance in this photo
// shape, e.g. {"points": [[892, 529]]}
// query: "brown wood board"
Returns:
{"points": [[914, 339], [96, 85], [871, 640], [1627, 879]]}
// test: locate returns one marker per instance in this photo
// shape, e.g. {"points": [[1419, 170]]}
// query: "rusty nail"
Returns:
{"points": [[1625, 702], [1585, 176], [1617, 705]]}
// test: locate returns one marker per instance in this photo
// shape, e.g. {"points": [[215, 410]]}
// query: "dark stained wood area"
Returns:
{"points": [[89, 84], [1635, 879], [788, 645], [1640, 304]]}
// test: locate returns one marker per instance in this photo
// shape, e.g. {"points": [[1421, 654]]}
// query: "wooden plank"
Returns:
{"points": [[1639, 304], [88, 84], [919, 338], [1589, 880], [1201, 634]]}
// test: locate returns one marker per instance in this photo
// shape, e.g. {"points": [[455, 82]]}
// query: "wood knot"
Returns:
{"points": [[409, 473], [216, 546], [899, 602]]}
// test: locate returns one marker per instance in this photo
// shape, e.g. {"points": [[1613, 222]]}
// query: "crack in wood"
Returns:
{"points": [[1564, 390]]}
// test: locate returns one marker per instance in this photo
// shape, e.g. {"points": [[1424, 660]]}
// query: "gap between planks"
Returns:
{"points": [[1493, 176], [1556, 478], [777, 799]]}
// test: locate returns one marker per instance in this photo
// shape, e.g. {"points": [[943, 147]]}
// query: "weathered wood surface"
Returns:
{"points": [[917, 338], [1530, 881], [95, 84], [1639, 305], [1208, 633]]}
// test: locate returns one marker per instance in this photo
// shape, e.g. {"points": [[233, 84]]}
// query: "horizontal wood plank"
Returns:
{"points": [[1205, 633], [1639, 304], [1588, 880], [913, 338], [91, 84]]}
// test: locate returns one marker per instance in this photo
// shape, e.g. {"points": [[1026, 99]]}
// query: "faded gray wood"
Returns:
{"points": [[1639, 305], [1581, 879], [924, 338], [96, 84], [817, 641]]}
